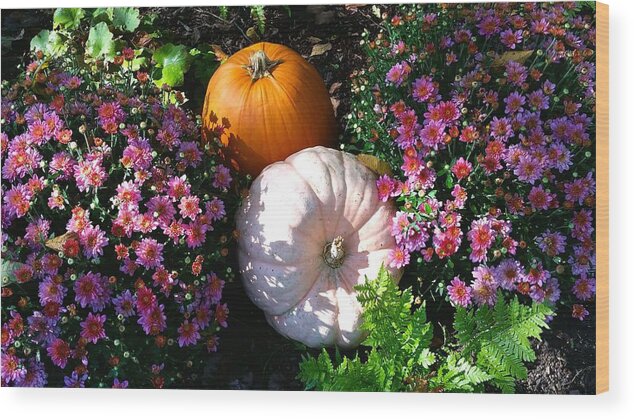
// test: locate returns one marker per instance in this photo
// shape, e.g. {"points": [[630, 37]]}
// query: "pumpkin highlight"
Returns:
{"points": [[270, 103], [311, 229]]}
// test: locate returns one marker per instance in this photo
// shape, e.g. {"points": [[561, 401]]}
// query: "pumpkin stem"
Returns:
{"points": [[260, 65], [334, 253]]}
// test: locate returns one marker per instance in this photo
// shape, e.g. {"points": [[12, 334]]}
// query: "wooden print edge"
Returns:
{"points": [[603, 198]]}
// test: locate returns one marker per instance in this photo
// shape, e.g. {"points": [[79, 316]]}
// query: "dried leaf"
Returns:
{"points": [[334, 87], [375, 164], [320, 49], [313, 39], [517, 56], [335, 104], [252, 33], [57, 243], [219, 53]]}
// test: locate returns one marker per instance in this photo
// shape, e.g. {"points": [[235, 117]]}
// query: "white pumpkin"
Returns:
{"points": [[311, 229]]}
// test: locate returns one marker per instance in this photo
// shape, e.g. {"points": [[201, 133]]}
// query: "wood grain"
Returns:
{"points": [[602, 153]]}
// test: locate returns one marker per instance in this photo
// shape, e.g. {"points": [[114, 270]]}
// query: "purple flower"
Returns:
{"points": [[215, 208], [584, 288], [484, 293], [35, 376], [222, 177], [75, 381], [13, 368], [551, 243], [124, 304], [119, 384], [551, 290], [514, 102], [92, 290], [511, 38], [188, 334], [51, 291], [509, 273], [153, 321]]}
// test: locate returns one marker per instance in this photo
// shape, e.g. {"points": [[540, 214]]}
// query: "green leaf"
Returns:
{"points": [[8, 271], [51, 43], [174, 61], [100, 43], [126, 18], [67, 18], [103, 14]]}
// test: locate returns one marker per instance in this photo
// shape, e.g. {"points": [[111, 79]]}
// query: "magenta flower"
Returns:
{"points": [[92, 329], [188, 334], [423, 89], [153, 321], [59, 352], [92, 240], [149, 253]]}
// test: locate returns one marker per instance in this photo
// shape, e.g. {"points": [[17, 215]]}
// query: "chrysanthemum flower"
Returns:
{"points": [[92, 328], [59, 352], [459, 292], [149, 253]]}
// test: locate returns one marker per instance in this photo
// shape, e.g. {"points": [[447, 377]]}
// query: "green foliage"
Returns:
{"points": [[173, 61], [492, 346], [399, 338], [224, 12], [100, 43], [126, 18], [498, 338], [51, 43], [67, 18], [258, 13]]}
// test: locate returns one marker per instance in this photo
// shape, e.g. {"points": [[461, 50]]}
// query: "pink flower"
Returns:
{"points": [[459, 293], [92, 240], [92, 329], [424, 89], [398, 258], [17, 201], [462, 168], [189, 207], [89, 174], [385, 186], [149, 253]]}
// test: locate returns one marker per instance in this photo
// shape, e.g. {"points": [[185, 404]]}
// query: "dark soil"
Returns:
{"points": [[251, 354]]}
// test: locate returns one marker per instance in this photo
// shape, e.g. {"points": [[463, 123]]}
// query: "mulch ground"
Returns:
{"points": [[251, 354]]}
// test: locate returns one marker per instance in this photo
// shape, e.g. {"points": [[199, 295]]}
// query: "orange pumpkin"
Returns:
{"points": [[271, 103]]}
